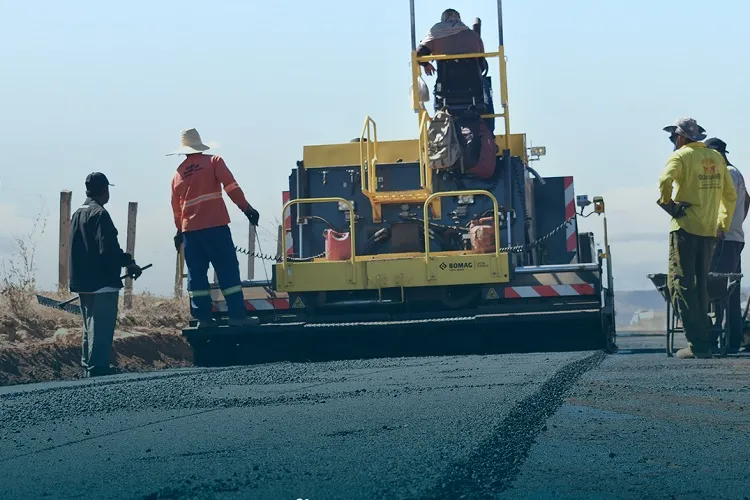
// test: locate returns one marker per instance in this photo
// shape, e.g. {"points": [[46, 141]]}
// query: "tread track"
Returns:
{"points": [[493, 467]]}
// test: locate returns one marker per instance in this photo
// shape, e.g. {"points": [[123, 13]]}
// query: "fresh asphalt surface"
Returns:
{"points": [[552, 425]]}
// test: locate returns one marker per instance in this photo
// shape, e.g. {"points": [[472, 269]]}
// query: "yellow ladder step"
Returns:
{"points": [[379, 198], [387, 197]]}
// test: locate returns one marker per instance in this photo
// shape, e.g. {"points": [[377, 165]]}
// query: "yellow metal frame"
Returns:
{"points": [[368, 164], [495, 216], [286, 273], [416, 70], [368, 161], [347, 154], [415, 269]]}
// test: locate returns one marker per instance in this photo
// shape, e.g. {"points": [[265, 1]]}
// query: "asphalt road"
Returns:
{"points": [[554, 425]]}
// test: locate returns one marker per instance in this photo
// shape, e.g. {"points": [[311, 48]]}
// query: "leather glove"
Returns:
{"points": [[676, 210], [178, 241], [127, 259], [134, 271], [252, 215]]}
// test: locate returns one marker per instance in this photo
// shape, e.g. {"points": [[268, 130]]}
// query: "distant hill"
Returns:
{"points": [[630, 301]]}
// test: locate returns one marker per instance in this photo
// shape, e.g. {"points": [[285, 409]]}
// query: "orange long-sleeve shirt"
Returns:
{"points": [[197, 202]]}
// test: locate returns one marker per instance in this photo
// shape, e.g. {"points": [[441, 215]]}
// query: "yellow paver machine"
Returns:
{"points": [[446, 243]]}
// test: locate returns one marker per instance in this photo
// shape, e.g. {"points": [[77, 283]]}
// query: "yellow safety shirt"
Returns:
{"points": [[701, 179]]}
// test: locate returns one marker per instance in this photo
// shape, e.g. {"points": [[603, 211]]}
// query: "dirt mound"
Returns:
{"points": [[41, 344], [60, 358]]}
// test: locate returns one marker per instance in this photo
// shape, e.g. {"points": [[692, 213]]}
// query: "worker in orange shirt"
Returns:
{"points": [[202, 224]]}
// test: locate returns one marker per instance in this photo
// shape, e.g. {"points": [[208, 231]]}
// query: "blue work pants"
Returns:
{"points": [[213, 246]]}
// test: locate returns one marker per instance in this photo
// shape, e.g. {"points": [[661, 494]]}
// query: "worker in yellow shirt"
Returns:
{"points": [[701, 204]]}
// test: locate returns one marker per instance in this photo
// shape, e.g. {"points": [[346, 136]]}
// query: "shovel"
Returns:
{"points": [[46, 301]]}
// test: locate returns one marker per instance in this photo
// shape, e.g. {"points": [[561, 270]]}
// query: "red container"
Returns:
{"points": [[482, 235], [338, 245]]}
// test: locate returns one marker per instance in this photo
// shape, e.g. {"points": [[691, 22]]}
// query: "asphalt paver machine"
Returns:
{"points": [[385, 255]]}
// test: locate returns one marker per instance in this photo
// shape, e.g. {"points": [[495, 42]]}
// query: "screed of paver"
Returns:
{"points": [[647, 426], [358, 429]]}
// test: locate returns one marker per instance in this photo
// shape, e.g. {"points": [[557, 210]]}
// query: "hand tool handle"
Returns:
{"points": [[121, 277]]}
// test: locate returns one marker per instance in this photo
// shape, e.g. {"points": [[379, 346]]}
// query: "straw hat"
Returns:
{"points": [[191, 143]]}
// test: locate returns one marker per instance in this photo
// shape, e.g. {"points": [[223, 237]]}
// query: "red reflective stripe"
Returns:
{"points": [[231, 186], [200, 199]]}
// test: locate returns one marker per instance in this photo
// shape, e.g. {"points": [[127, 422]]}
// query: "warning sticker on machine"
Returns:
{"points": [[491, 294], [298, 304]]}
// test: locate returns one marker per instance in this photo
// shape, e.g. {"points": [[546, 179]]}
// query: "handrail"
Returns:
{"points": [[500, 54], [425, 180], [319, 200], [447, 57], [495, 215], [367, 173]]}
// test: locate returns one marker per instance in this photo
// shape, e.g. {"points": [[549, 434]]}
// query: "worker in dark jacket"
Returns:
{"points": [[96, 261], [452, 36]]}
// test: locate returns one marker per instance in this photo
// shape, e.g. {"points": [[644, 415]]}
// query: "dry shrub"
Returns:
{"points": [[152, 311], [20, 314], [23, 318]]}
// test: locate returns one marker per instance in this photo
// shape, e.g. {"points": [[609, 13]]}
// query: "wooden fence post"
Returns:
{"points": [[63, 280], [130, 248], [251, 251]]}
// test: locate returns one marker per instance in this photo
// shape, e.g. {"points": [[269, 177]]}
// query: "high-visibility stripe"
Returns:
{"points": [[231, 290], [231, 186], [199, 293], [525, 292], [201, 199]]}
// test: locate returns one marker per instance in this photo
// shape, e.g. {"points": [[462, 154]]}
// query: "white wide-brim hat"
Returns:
{"points": [[191, 143]]}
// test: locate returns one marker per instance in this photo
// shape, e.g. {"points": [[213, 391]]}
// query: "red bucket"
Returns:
{"points": [[482, 235], [338, 245]]}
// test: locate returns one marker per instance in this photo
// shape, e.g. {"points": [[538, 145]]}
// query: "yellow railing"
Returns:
{"points": [[425, 175], [475, 192], [416, 70], [349, 205], [368, 155]]}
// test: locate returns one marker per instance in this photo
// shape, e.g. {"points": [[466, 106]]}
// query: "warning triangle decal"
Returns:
{"points": [[491, 294], [298, 303]]}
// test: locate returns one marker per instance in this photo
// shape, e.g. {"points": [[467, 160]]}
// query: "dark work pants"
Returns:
{"points": [[726, 259], [99, 311], [689, 263], [213, 246]]}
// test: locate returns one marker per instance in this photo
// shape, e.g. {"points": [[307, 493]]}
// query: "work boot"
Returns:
{"points": [[243, 321], [687, 353]]}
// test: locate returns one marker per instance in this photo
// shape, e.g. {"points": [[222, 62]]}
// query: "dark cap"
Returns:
{"points": [[96, 183], [718, 145]]}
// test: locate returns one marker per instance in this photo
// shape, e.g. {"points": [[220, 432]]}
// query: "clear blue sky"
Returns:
{"points": [[107, 86]]}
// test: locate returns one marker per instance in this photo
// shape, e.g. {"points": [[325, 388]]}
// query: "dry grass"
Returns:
{"points": [[23, 319]]}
